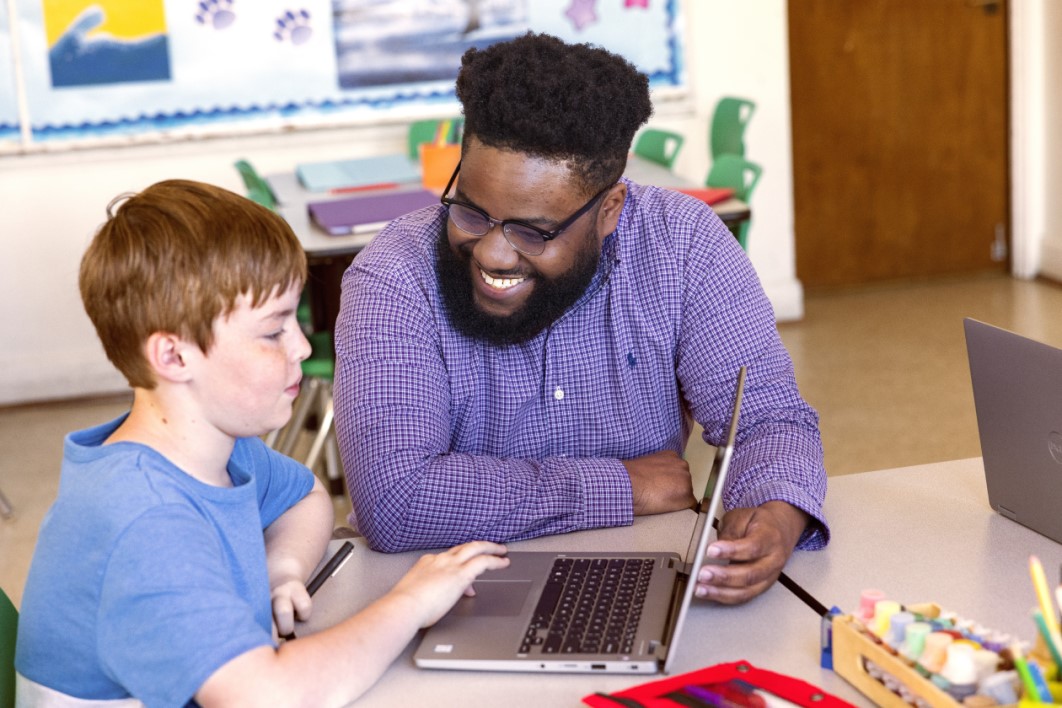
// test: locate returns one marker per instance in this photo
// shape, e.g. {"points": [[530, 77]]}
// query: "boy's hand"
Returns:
{"points": [[437, 581], [290, 601]]}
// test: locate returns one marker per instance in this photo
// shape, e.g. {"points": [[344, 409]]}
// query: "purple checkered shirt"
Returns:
{"points": [[446, 439]]}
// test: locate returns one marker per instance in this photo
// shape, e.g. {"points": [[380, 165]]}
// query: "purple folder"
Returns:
{"points": [[366, 213]]}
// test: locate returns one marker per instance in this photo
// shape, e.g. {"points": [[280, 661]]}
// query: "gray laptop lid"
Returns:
{"points": [[706, 512], [1017, 387]]}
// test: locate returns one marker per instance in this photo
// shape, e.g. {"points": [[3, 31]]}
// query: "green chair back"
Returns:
{"points": [[8, 634], [257, 188], [322, 360], [742, 176], [729, 120], [659, 146]]}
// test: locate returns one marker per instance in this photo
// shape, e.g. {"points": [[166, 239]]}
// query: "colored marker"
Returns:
{"points": [[364, 188], [1052, 640], [960, 671], [883, 612], [867, 599], [1043, 595], [1028, 678]]}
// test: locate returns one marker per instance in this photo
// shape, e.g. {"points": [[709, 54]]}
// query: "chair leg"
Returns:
{"points": [[321, 438], [336, 479], [307, 399], [324, 443], [6, 510]]}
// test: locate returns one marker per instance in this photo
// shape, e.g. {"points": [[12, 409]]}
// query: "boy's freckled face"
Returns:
{"points": [[248, 380]]}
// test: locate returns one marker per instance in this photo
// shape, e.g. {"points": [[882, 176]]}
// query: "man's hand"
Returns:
{"points": [[660, 482], [757, 543]]}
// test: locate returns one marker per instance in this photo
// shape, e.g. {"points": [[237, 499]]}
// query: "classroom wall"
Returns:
{"points": [[52, 203], [1038, 163]]}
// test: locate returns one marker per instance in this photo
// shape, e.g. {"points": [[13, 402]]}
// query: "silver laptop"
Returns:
{"points": [[581, 612], [1017, 386]]}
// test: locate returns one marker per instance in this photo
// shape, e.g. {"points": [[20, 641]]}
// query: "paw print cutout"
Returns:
{"points": [[215, 13], [293, 26]]}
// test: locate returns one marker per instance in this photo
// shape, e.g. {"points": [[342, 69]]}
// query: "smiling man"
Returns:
{"points": [[528, 357]]}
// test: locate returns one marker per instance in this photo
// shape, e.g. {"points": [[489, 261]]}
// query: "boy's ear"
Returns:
{"points": [[167, 356]]}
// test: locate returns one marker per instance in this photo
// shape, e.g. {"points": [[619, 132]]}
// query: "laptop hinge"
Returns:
{"points": [[660, 652], [1004, 511]]}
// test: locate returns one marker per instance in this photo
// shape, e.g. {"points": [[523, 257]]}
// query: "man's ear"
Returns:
{"points": [[167, 355], [611, 206]]}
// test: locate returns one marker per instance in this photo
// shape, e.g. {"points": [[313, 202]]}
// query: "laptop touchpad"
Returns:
{"points": [[494, 598]]}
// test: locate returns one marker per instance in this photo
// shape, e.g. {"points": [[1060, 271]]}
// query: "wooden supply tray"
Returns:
{"points": [[852, 649]]}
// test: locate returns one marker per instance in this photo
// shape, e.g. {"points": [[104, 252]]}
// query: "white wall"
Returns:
{"points": [[52, 204], [742, 49], [1036, 81]]}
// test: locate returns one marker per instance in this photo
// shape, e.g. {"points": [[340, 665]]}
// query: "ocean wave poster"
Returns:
{"points": [[93, 42], [95, 69]]}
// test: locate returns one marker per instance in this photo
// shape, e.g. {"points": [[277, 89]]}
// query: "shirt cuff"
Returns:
{"points": [[817, 533], [607, 499]]}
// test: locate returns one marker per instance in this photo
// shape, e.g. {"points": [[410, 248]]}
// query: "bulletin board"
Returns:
{"points": [[88, 72]]}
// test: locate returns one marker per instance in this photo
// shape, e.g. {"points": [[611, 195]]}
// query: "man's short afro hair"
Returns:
{"points": [[572, 102]]}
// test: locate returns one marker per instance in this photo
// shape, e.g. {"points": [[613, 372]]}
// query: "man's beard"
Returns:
{"points": [[549, 298]]}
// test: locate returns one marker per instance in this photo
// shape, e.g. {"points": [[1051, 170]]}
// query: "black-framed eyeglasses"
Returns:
{"points": [[523, 237]]}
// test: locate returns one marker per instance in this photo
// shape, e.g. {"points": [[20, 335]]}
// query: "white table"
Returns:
{"points": [[921, 533]]}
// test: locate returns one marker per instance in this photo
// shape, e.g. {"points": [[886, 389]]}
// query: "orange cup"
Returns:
{"points": [[437, 163]]}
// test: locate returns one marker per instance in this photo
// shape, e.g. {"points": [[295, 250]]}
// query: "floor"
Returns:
{"points": [[884, 366]]}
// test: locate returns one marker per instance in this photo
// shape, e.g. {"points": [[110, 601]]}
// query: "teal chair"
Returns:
{"points": [[424, 131], [257, 188], [729, 120], [8, 634], [742, 176], [659, 146]]}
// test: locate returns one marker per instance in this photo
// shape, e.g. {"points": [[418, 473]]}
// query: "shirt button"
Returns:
{"points": [[558, 393]]}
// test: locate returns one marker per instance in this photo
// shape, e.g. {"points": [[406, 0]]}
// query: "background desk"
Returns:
{"points": [[329, 255], [921, 533]]}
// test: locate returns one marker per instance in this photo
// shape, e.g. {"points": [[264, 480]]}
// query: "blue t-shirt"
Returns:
{"points": [[144, 580]]}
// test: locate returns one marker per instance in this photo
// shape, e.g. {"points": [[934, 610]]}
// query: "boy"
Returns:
{"points": [[178, 537]]}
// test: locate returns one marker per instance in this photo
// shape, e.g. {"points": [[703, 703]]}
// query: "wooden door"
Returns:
{"points": [[900, 156]]}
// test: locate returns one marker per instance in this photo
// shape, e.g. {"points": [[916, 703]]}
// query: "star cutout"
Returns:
{"points": [[581, 13]]}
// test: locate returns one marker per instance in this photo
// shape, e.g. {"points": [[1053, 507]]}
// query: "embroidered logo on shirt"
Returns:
{"points": [[631, 361]]}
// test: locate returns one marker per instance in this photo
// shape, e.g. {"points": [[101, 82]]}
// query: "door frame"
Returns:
{"points": [[1028, 58]]}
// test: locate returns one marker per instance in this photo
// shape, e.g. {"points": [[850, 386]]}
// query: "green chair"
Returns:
{"points": [[742, 176], [659, 146], [8, 634], [257, 188], [424, 131], [729, 120]]}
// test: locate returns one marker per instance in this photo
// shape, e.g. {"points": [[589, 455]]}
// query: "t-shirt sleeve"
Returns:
{"points": [[170, 614], [280, 481]]}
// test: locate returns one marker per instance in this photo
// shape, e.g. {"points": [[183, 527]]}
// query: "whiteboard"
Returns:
{"points": [[89, 72]]}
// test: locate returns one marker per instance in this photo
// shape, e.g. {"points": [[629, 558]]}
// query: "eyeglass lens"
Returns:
{"points": [[476, 223]]}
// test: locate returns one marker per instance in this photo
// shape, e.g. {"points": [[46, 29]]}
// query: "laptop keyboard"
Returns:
{"points": [[589, 605]]}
